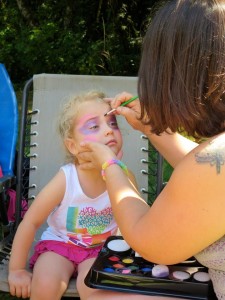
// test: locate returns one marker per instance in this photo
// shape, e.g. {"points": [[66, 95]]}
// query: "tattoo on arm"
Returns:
{"points": [[213, 154]]}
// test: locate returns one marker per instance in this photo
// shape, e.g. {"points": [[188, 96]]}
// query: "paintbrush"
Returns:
{"points": [[123, 104]]}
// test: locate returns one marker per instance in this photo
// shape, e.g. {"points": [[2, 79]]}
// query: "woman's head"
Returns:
{"points": [[182, 71], [83, 118]]}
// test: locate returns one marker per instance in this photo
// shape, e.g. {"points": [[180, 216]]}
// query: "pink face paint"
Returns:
{"points": [[90, 138], [85, 123], [85, 118]]}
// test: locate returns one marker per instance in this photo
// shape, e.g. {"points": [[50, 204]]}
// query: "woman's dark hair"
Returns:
{"points": [[182, 72]]}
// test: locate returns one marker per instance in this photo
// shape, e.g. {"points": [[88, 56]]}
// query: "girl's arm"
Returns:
{"points": [[50, 196]]}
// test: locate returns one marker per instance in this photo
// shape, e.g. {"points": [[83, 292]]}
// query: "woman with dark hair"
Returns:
{"points": [[181, 88]]}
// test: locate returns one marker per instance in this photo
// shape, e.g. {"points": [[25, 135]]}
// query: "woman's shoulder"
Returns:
{"points": [[203, 169], [212, 152]]}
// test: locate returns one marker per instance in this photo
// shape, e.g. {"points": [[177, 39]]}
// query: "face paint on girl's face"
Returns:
{"points": [[92, 124], [112, 122]]}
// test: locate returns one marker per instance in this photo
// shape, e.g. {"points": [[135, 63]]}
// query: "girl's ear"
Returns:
{"points": [[71, 146]]}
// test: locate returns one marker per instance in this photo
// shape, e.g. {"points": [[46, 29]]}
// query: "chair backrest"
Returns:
{"points": [[8, 123], [49, 92]]}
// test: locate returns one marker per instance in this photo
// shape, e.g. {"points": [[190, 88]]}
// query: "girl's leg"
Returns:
{"points": [[51, 275], [87, 293], [83, 268]]}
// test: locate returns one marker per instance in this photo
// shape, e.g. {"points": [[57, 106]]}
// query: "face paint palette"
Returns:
{"points": [[119, 268]]}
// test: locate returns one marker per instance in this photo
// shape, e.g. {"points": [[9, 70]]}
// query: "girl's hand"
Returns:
{"points": [[20, 283], [94, 155]]}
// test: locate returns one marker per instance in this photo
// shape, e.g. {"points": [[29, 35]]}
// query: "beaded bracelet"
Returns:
{"points": [[112, 162]]}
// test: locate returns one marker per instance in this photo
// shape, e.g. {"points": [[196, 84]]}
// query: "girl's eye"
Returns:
{"points": [[113, 124], [89, 127], [93, 127]]}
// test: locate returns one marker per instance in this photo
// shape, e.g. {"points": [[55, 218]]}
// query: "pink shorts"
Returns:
{"points": [[72, 252]]}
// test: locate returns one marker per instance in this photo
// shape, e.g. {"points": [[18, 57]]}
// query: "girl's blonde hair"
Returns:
{"points": [[69, 113]]}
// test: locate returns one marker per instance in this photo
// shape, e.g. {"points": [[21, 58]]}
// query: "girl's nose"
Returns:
{"points": [[108, 131]]}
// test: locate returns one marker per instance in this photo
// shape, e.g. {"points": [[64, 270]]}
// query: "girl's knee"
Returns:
{"points": [[47, 287], [43, 282]]}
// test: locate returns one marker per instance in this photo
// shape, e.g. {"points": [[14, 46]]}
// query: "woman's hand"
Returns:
{"points": [[20, 283], [131, 111], [94, 155]]}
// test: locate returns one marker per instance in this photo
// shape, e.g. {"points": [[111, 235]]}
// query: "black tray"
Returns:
{"points": [[111, 273]]}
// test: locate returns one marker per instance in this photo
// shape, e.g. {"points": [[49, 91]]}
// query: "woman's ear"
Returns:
{"points": [[71, 146]]}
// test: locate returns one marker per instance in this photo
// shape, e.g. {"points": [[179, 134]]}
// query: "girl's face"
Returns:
{"points": [[91, 125]]}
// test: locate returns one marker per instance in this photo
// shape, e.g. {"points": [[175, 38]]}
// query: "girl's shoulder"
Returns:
{"points": [[68, 166], [69, 169]]}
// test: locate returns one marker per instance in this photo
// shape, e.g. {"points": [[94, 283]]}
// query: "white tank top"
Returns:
{"points": [[79, 219]]}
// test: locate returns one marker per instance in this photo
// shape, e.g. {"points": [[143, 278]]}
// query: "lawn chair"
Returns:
{"points": [[40, 154], [8, 138]]}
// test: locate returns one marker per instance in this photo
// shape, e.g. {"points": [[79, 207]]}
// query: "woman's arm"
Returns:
{"points": [[175, 227], [172, 146]]}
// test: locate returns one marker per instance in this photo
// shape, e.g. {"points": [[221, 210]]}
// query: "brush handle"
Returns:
{"points": [[129, 101]]}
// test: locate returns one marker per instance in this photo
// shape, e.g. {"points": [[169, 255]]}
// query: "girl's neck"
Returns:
{"points": [[91, 182], [92, 174]]}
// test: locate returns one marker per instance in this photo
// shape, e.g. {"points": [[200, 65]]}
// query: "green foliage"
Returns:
{"points": [[92, 37], [159, 172], [74, 37]]}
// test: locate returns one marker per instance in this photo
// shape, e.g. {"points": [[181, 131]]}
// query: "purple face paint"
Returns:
{"points": [[92, 125], [112, 122]]}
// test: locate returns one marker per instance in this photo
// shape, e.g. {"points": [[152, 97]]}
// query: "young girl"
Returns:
{"points": [[77, 208]]}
